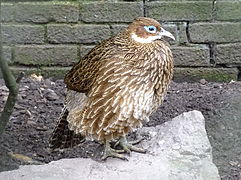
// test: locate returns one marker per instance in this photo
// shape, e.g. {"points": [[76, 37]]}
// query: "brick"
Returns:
{"points": [[180, 11], [17, 70], [191, 56], [182, 35], [215, 32], [46, 55], [121, 0], [84, 50], [180, 0], [117, 28], [183, 56], [43, 12], [22, 34], [111, 12], [56, 72], [228, 54], [7, 12], [228, 10], [77, 33], [210, 74], [7, 54]]}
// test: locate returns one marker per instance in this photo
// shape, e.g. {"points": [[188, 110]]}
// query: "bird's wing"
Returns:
{"points": [[62, 137], [81, 77]]}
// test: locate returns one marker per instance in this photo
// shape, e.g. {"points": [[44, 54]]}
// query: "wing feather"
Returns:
{"points": [[83, 74]]}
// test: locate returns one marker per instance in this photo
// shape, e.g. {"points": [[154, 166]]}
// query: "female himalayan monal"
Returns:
{"points": [[115, 88]]}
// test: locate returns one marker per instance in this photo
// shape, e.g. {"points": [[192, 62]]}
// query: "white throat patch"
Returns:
{"points": [[144, 40]]}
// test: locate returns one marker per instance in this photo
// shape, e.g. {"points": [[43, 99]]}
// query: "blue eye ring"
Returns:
{"points": [[150, 29]]}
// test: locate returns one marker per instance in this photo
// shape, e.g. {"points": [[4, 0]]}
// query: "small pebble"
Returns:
{"points": [[203, 81]]}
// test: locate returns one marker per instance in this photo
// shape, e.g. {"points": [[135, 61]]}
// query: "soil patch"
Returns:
{"points": [[25, 140]]}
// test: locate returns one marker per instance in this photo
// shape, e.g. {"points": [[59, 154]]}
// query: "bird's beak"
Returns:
{"points": [[163, 32]]}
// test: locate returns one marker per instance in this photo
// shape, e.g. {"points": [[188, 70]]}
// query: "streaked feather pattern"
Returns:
{"points": [[123, 82]]}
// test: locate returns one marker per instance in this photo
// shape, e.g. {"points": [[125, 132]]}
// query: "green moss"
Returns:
{"points": [[55, 72], [210, 74], [192, 10], [26, 60]]}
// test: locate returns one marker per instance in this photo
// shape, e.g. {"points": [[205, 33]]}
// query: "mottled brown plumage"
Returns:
{"points": [[118, 84]]}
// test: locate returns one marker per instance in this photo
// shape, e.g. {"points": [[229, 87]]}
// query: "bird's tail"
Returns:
{"points": [[62, 137]]}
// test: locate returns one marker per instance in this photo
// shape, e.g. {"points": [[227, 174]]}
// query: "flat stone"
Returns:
{"points": [[215, 32], [77, 33], [43, 12], [64, 55], [117, 28], [23, 34], [7, 12], [228, 54], [228, 10], [111, 11], [84, 50], [178, 149], [179, 10], [191, 56]]}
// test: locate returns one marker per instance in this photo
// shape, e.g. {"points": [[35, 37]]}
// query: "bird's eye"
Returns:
{"points": [[150, 29]]}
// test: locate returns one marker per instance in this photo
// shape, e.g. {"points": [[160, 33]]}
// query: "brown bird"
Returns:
{"points": [[116, 87]]}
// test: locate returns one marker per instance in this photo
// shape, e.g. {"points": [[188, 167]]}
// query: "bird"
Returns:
{"points": [[114, 89]]}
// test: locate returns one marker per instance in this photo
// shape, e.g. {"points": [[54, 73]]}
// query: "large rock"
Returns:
{"points": [[178, 149]]}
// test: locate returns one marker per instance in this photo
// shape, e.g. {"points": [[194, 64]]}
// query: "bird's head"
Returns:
{"points": [[147, 30]]}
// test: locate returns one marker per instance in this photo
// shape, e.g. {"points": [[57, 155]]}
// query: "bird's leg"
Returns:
{"points": [[110, 152], [128, 146]]}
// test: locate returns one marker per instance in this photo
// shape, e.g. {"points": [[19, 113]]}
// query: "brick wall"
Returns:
{"points": [[47, 37]]}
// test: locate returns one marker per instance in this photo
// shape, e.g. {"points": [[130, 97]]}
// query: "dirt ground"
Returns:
{"points": [[25, 140]]}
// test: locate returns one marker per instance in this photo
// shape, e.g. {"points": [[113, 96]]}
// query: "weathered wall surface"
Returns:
{"points": [[49, 36]]}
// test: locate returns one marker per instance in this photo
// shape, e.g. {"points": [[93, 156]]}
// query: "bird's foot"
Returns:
{"points": [[129, 146], [110, 152]]}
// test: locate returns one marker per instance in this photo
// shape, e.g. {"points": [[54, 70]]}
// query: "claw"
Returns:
{"points": [[128, 147], [109, 152]]}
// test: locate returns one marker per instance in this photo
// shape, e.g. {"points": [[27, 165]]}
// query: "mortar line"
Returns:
{"points": [[144, 8], [187, 32], [239, 74], [213, 10], [212, 59]]}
